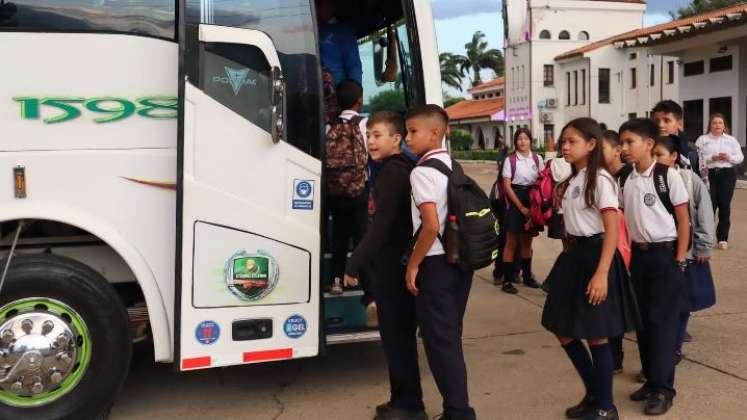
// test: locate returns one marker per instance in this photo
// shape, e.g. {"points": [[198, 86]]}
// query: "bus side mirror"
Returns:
{"points": [[278, 105]]}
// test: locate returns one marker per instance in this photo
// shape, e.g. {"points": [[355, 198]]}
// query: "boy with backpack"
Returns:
{"points": [[347, 177], [443, 259], [656, 210], [381, 251]]}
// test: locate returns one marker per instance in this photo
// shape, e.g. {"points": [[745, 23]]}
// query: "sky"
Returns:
{"points": [[456, 21]]}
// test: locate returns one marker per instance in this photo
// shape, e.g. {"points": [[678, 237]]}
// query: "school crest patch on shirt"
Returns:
{"points": [[649, 199], [576, 192]]}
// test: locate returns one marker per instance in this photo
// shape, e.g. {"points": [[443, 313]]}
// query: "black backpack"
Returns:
{"points": [[478, 227]]}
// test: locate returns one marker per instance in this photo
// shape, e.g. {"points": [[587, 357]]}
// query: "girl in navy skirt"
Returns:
{"points": [[520, 170], [590, 296]]}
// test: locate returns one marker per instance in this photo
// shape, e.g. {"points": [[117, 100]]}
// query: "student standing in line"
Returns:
{"points": [[667, 115], [441, 289], [590, 297], [612, 151], [656, 208], [380, 251], [701, 220], [721, 153], [519, 172]]}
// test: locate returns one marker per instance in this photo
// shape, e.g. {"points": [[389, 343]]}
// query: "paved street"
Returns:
{"points": [[517, 370]]}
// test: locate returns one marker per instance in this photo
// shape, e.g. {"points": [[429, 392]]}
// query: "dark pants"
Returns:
{"points": [[661, 291], [398, 326], [440, 306], [682, 330], [722, 183], [616, 345], [349, 221]]}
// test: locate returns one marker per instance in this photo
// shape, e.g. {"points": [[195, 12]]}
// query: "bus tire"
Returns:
{"points": [[87, 321]]}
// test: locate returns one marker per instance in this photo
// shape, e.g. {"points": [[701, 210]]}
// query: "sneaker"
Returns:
{"points": [[509, 288], [723, 245], [372, 315], [336, 288]]}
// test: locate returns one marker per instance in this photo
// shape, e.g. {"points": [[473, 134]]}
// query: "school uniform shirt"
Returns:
{"points": [[648, 219], [580, 219], [526, 172], [429, 186], [710, 146]]}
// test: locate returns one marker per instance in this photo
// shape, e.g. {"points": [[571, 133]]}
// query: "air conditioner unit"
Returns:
{"points": [[551, 103], [546, 117]]}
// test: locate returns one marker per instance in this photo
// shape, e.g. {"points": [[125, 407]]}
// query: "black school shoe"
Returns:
{"points": [[600, 414], [657, 404], [582, 409], [509, 288], [641, 395], [532, 283], [395, 413]]}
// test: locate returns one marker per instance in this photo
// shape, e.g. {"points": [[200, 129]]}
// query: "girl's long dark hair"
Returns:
{"points": [[589, 130]]}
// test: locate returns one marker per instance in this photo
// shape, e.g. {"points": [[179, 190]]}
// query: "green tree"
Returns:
{"points": [[451, 72], [479, 57], [702, 6], [388, 100], [450, 100], [460, 140]]}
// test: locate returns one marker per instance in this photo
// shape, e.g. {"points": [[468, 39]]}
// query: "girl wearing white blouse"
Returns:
{"points": [[721, 153], [590, 296]]}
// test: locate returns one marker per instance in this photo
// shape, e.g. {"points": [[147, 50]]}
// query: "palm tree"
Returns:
{"points": [[479, 57], [451, 72]]}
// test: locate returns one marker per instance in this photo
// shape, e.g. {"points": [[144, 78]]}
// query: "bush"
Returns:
{"points": [[475, 154], [460, 140]]}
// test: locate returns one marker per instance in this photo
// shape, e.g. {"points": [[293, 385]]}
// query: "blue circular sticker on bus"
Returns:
{"points": [[295, 326], [304, 189], [207, 332]]}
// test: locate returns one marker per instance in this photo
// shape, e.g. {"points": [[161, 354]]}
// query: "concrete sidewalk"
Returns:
{"points": [[517, 370]]}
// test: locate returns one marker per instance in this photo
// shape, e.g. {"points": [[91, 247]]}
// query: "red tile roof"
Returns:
{"points": [[645, 32], [475, 109], [497, 82]]}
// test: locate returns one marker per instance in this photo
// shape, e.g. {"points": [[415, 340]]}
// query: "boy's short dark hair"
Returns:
{"points": [[612, 137], [643, 127], [348, 93], [429, 111], [393, 121], [668, 106]]}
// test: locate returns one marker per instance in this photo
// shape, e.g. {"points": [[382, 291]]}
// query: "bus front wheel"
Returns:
{"points": [[64, 340]]}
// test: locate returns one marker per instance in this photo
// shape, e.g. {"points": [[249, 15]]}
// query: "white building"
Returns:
{"points": [[536, 32], [710, 62], [483, 115]]}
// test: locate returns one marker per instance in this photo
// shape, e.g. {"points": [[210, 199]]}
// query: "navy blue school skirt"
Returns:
{"points": [[567, 311], [515, 222]]}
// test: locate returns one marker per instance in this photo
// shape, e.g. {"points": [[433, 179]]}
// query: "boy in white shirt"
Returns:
{"points": [[441, 289], [656, 210]]}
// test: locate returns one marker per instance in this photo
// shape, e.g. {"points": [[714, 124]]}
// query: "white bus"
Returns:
{"points": [[163, 163]]}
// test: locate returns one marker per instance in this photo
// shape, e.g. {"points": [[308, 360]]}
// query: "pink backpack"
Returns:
{"points": [[541, 198]]}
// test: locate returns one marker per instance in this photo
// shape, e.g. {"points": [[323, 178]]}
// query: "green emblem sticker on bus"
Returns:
{"points": [[251, 277]]}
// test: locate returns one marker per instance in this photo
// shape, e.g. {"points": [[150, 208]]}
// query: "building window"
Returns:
{"points": [[564, 35], [633, 78], [604, 86], [720, 64], [523, 77], [632, 116], [652, 75], [545, 34], [583, 36], [549, 131], [670, 72], [633, 56], [513, 78], [575, 87], [568, 88], [583, 87], [695, 68], [549, 75]]}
